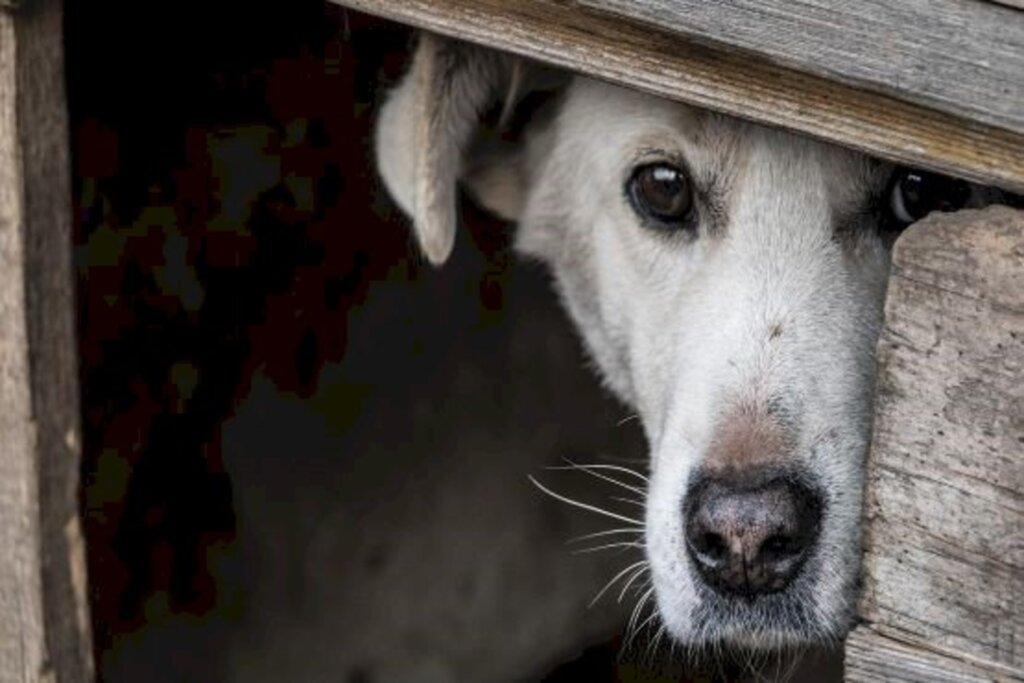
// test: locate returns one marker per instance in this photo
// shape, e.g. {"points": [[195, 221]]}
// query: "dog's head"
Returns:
{"points": [[728, 281]]}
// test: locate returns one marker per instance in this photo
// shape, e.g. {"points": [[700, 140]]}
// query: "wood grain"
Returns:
{"points": [[944, 503], [21, 631], [667, 64], [44, 632], [875, 657], [962, 57]]}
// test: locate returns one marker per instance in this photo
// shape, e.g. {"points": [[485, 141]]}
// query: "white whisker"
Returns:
{"points": [[583, 506], [643, 624], [628, 418], [604, 477], [624, 530], [635, 616], [607, 467], [614, 580], [608, 546], [639, 572], [652, 648]]}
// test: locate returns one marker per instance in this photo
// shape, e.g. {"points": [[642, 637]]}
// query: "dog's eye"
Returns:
{"points": [[915, 194], [662, 193]]}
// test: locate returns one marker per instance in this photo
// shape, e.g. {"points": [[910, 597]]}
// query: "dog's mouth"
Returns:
{"points": [[698, 616], [761, 622]]}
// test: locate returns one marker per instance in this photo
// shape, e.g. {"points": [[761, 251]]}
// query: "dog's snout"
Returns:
{"points": [[749, 539]]}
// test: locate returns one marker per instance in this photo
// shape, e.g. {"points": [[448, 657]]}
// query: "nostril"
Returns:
{"points": [[712, 548], [778, 547]]}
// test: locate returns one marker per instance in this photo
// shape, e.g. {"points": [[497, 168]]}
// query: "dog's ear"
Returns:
{"points": [[428, 136]]}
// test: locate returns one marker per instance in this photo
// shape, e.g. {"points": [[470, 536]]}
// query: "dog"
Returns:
{"points": [[727, 280]]}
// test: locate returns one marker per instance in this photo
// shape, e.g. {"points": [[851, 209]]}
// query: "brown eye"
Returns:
{"points": [[661, 192], [915, 194]]}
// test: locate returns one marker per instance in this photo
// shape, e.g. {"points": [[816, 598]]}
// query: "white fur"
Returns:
{"points": [[681, 327]]}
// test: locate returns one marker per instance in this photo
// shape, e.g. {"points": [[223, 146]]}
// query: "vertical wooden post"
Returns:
{"points": [[943, 595], [44, 624]]}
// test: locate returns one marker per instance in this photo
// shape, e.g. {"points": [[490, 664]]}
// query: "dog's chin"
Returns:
{"points": [[764, 623]]}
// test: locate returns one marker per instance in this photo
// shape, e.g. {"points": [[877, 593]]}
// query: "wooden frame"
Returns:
{"points": [[44, 633], [931, 83]]}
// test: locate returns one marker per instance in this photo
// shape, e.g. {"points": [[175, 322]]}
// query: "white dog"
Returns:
{"points": [[728, 281]]}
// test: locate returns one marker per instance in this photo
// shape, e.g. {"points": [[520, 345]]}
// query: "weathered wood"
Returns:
{"points": [[962, 57], [44, 632], [1017, 4], [944, 504], [877, 658], [671, 65]]}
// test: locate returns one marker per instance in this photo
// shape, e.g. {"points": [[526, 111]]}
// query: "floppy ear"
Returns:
{"points": [[427, 130]]}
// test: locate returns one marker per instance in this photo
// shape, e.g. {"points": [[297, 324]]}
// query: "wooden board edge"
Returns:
{"points": [[22, 633], [876, 655], [1015, 4], [727, 82], [915, 77], [960, 270], [43, 168]]}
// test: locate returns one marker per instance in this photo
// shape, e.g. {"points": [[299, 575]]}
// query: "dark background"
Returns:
{"points": [[305, 451]]}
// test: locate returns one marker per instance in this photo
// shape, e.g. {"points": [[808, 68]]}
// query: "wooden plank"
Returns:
{"points": [[879, 658], [21, 631], [962, 57], [944, 503], [44, 632], [665, 64]]}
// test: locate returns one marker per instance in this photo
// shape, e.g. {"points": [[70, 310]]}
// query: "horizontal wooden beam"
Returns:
{"points": [[962, 57], [659, 61]]}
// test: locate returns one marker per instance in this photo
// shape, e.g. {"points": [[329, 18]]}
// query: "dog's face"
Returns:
{"points": [[728, 280]]}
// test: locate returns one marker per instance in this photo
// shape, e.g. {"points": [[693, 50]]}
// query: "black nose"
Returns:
{"points": [[750, 538]]}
